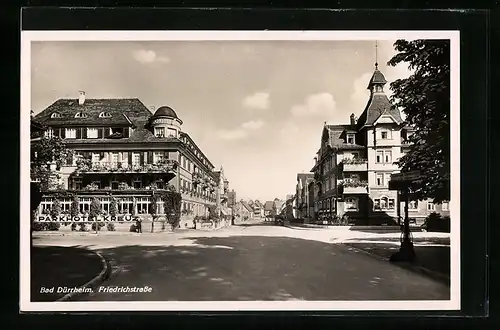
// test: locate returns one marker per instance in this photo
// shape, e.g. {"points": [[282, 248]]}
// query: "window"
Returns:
{"points": [[84, 204], [384, 135], [160, 132], [380, 179], [413, 205], [384, 157], [55, 115], [158, 156], [126, 205], [105, 204], [49, 133], [96, 158], [114, 185], [143, 205], [430, 206], [70, 133], [388, 156], [351, 204], [350, 138], [172, 132], [81, 115], [137, 183], [104, 115], [114, 159], [384, 203], [136, 158], [92, 133], [445, 206]]}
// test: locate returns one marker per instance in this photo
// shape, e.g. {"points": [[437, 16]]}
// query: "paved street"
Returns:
{"points": [[256, 262]]}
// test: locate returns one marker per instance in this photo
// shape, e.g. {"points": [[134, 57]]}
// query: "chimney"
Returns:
{"points": [[81, 98], [353, 119]]}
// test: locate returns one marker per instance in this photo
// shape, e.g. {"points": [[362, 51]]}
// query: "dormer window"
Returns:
{"points": [[104, 115], [350, 138], [81, 115], [55, 115]]}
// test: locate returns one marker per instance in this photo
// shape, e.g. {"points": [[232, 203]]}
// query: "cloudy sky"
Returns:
{"points": [[255, 107]]}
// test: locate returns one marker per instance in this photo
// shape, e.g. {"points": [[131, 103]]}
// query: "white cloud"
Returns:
{"points": [[253, 124], [317, 105], [236, 134], [242, 131], [259, 100], [149, 56]]}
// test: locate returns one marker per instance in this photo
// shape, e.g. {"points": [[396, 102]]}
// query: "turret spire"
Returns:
{"points": [[376, 55]]}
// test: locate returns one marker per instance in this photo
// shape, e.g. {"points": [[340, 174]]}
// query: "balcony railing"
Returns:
{"points": [[87, 166], [354, 186], [355, 165]]}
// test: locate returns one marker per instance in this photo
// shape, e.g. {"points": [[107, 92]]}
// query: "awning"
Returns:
{"points": [[224, 212]]}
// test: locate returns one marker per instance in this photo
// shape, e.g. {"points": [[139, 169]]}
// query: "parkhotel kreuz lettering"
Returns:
{"points": [[84, 218]]}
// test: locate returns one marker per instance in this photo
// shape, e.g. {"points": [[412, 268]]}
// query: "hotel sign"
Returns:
{"points": [[85, 218]]}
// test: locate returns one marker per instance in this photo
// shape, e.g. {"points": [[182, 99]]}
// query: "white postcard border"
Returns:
{"points": [[28, 36]]}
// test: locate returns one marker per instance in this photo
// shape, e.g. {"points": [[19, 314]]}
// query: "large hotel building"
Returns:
{"points": [[123, 150], [355, 162]]}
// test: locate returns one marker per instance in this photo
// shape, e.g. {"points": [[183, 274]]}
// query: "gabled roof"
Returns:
{"points": [[378, 103], [126, 112], [268, 206], [246, 206]]}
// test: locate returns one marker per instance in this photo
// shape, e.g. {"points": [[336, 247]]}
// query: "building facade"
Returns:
{"points": [[123, 150], [355, 162], [302, 194]]}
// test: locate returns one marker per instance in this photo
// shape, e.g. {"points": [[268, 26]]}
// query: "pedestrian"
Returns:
{"points": [[138, 224]]}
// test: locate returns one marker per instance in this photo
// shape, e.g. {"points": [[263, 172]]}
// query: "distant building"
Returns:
{"points": [[302, 194], [268, 209]]}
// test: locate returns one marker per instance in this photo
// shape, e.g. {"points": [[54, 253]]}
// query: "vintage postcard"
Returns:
{"points": [[240, 170]]}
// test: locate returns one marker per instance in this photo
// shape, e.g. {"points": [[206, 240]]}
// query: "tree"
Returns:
{"points": [[95, 211], [172, 207], [424, 97], [74, 210], [153, 210], [45, 152]]}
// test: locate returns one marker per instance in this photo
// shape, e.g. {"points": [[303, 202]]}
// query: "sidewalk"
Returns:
{"points": [[432, 255], [59, 267]]}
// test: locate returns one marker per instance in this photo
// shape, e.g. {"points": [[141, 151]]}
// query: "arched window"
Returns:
{"points": [[333, 204], [55, 115], [351, 204], [104, 114]]}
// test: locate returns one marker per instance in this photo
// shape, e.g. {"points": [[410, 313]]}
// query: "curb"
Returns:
{"points": [[103, 275], [406, 265]]}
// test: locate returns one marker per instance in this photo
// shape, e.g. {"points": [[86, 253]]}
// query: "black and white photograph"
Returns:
{"points": [[230, 170]]}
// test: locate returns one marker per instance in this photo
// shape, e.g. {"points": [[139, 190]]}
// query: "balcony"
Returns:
{"points": [[354, 187], [355, 165], [87, 166]]}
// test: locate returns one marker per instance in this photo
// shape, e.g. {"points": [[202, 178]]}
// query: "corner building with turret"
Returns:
{"points": [[124, 150], [355, 161]]}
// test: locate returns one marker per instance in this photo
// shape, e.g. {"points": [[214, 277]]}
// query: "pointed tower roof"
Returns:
{"points": [[377, 78], [378, 103]]}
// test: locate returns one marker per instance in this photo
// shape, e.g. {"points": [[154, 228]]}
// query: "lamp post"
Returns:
{"points": [[401, 182]]}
